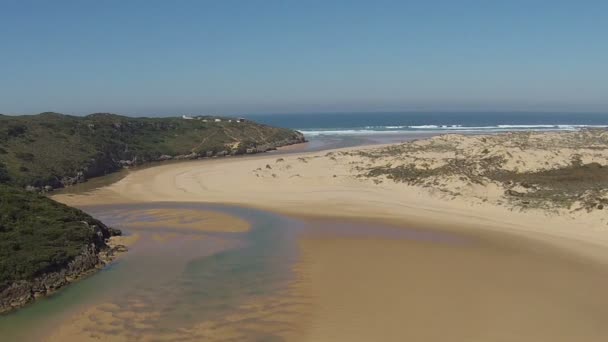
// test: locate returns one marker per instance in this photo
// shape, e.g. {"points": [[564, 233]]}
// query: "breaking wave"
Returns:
{"points": [[368, 130]]}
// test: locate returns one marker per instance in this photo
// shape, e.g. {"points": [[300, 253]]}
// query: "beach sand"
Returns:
{"points": [[365, 289], [380, 289]]}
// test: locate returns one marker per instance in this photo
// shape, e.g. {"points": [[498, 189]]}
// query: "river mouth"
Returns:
{"points": [[174, 277], [317, 279]]}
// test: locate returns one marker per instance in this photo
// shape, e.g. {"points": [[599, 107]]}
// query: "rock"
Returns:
{"points": [[192, 155], [125, 163], [31, 188], [514, 193], [120, 249], [114, 231], [78, 178]]}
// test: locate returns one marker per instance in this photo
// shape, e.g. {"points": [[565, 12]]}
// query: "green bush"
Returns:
{"points": [[4, 176], [38, 235]]}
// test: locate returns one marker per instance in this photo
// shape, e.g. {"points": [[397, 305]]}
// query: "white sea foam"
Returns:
{"points": [[378, 130]]}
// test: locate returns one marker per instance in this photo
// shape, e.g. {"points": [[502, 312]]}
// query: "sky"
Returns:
{"points": [[263, 56]]}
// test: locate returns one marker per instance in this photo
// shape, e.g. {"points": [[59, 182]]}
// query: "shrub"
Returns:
{"points": [[38, 235], [25, 156]]}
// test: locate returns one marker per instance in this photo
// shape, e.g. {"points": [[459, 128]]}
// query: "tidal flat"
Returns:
{"points": [[288, 278]]}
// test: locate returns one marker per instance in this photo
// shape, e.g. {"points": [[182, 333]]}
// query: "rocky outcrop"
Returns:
{"points": [[92, 258], [71, 180]]}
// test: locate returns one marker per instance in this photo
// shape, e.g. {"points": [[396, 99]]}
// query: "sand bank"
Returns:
{"points": [[177, 219]]}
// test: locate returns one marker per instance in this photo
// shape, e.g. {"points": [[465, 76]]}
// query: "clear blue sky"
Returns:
{"points": [[169, 57]]}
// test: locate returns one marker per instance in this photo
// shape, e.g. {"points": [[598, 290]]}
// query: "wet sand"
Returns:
{"points": [[323, 279], [480, 287], [179, 220]]}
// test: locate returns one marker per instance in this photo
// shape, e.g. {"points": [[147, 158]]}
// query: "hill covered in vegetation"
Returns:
{"points": [[44, 245], [57, 150]]}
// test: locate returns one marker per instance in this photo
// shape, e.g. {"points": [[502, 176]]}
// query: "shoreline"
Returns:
{"points": [[330, 189]]}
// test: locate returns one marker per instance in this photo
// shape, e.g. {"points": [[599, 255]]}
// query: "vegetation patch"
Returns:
{"points": [[39, 235], [562, 187]]}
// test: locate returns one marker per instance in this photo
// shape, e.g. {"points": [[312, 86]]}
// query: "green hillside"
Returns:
{"points": [[39, 235], [57, 150]]}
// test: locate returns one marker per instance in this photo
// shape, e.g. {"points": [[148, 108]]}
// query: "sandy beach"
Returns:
{"points": [[359, 296], [330, 184], [388, 291]]}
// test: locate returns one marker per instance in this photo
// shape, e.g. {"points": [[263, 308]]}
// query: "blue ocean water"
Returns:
{"points": [[315, 124]]}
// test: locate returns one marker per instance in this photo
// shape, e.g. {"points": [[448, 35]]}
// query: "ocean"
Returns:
{"points": [[352, 124]]}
